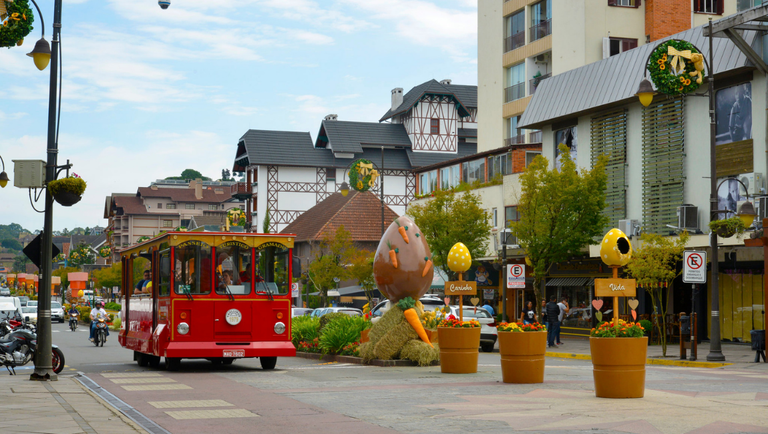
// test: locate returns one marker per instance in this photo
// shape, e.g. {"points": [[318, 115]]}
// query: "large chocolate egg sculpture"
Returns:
{"points": [[403, 266]]}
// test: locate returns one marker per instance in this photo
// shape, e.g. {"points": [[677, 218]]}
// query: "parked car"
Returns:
{"points": [[23, 299], [351, 311], [488, 332], [57, 312], [300, 311], [32, 303], [29, 314], [430, 303], [5, 292]]}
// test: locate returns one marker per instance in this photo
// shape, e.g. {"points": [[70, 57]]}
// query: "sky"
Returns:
{"points": [[147, 93]]}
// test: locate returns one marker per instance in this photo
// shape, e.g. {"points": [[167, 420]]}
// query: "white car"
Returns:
{"points": [[488, 332], [57, 312], [430, 304], [29, 314]]}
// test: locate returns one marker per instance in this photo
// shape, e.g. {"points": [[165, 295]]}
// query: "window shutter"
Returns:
{"points": [[720, 7], [611, 2], [606, 48]]}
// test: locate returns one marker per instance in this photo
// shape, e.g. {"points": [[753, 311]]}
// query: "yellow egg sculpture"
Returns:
{"points": [[459, 259], [615, 249]]}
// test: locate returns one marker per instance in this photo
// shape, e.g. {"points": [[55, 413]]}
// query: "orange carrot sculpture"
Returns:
{"points": [[407, 305], [392, 254], [402, 230], [427, 266]]}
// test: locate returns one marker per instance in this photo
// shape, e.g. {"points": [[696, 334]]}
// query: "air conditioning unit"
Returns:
{"points": [[688, 217], [542, 58], [754, 183], [629, 227]]}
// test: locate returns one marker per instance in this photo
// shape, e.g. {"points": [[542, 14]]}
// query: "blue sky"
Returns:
{"points": [[148, 93]]}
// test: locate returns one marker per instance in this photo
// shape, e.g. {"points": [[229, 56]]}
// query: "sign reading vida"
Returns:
{"points": [[615, 288], [461, 287]]}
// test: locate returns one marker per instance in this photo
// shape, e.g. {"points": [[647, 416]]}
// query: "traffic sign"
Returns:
{"points": [[695, 267], [516, 276], [294, 289]]}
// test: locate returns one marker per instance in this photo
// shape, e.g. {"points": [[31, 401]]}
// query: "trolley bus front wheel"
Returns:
{"points": [[268, 363], [172, 363]]}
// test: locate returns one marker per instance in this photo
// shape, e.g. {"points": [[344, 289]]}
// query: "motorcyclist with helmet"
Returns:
{"points": [[73, 314], [97, 313]]}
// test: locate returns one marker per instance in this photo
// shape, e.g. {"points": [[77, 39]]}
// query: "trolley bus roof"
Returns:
{"points": [[213, 239]]}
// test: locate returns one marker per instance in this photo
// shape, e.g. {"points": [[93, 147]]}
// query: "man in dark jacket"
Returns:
{"points": [[553, 324]]}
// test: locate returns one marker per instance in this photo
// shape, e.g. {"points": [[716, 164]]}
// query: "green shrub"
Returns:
{"points": [[85, 314], [115, 324], [647, 326], [113, 306], [330, 317], [304, 329], [341, 332]]}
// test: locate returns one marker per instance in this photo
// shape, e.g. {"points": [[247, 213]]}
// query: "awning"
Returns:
{"points": [[568, 281]]}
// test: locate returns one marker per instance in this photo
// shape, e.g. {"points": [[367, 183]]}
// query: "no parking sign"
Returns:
{"points": [[516, 276], [695, 267]]}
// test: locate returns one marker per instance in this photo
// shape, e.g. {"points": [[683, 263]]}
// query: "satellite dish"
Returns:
{"points": [[164, 4]]}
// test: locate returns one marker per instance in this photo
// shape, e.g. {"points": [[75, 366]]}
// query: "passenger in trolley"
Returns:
{"points": [[145, 285]]}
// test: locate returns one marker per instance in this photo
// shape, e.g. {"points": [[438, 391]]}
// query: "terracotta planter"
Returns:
{"points": [[432, 335], [458, 349], [66, 198], [619, 366], [364, 336], [522, 356]]}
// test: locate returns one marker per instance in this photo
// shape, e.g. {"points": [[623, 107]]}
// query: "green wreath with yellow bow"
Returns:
{"points": [[362, 175], [16, 20], [676, 67]]}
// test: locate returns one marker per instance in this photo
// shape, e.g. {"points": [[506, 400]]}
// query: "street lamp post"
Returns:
{"points": [[43, 366]]}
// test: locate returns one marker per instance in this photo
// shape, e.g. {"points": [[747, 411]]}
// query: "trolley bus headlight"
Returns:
{"points": [[182, 328], [279, 328]]}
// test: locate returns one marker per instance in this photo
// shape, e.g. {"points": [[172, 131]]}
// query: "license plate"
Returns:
{"points": [[234, 353]]}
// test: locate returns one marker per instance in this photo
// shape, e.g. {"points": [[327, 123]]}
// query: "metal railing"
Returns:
{"points": [[544, 28], [534, 83], [514, 92], [514, 41], [515, 140], [535, 137]]}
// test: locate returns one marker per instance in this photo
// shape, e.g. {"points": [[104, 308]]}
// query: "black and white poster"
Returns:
{"points": [[567, 137], [728, 197], [733, 113]]}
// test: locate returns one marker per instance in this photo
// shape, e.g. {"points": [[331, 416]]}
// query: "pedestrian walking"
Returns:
{"points": [[553, 323], [564, 309]]}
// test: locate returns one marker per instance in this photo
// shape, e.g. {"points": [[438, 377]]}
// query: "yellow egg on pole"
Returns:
{"points": [[459, 259], [615, 249]]}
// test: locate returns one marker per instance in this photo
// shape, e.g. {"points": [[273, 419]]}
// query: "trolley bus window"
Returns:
{"points": [[233, 269], [165, 274], [272, 270], [140, 265], [192, 269]]}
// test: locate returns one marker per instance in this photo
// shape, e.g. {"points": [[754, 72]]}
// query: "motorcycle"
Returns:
{"points": [[73, 321], [100, 334], [18, 347]]}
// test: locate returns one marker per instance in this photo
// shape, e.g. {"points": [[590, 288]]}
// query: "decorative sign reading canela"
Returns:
{"points": [[615, 287], [461, 287]]}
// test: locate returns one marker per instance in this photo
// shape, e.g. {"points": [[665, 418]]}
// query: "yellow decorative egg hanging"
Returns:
{"points": [[459, 259], [615, 249]]}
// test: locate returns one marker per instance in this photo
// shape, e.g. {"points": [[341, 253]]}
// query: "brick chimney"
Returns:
{"points": [[666, 17]]}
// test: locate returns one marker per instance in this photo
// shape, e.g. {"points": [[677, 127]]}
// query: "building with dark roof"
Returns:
{"points": [[287, 173]]}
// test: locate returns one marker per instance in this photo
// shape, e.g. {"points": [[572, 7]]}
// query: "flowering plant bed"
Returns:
{"points": [[452, 322], [623, 330], [520, 327]]}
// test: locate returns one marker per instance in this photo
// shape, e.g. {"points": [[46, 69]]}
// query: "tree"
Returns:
{"points": [[450, 218], [20, 263], [561, 212], [189, 175], [654, 266], [336, 250], [12, 244], [226, 175], [361, 270], [266, 224], [108, 277]]}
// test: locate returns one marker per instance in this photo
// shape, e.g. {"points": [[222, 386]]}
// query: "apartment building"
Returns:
{"points": [[523, 42]]}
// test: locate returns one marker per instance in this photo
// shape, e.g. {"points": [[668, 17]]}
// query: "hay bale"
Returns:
{"points": [[389, 335], [420, 352], [389, 346]]}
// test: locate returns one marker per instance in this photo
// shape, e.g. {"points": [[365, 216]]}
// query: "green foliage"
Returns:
{"points": [[113, 306], [11, 243], [18, 23], [71, 184], [265, 225], [622, 330], [304, 329], [663, 77], [20, 263], [341, 332], [115, 324], [646, 325], [85, 314], [109, 277], [189, 175], [654, 262], [329, 318], [406, 303], [13, 231], [450, 218], [728, 227], [335, 251], [561, 212], [360, 179], [81, 255], [361, 270]]}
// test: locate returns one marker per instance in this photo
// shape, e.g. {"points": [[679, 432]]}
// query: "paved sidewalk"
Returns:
{"points": [[61, 407], [735, 354]]}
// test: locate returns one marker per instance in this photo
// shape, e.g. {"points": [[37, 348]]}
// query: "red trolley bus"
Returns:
{"points": [[212, 295]]}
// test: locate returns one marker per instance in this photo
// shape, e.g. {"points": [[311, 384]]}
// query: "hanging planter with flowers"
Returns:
{"points": [[67, 191], [16, 20], [676, 67]]}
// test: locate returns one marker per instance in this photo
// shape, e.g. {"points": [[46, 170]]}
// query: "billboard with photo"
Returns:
{"points": [[567, 137], [729, 194], [733, 113]]}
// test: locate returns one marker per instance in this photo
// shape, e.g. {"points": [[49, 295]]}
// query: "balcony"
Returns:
{"points": [[544, 28], [515, 140], [514, 92], [241, 190], [535, 137], [535, 82], [514, 41]]}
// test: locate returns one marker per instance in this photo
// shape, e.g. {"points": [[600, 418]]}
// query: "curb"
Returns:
{"points": [[330, 358], [648, 361]]}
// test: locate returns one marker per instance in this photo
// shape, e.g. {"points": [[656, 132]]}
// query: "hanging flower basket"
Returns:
{"points": [[67, 191], [16, 20], [727, 228]]}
